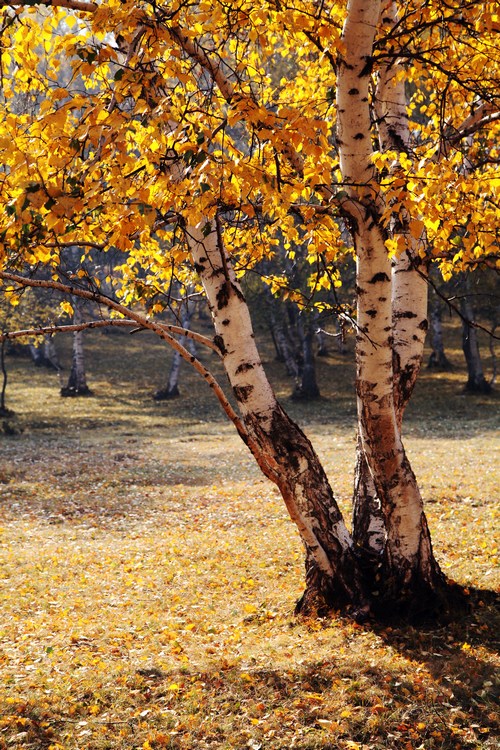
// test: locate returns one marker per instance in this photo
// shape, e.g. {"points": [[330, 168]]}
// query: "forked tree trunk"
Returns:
{"points": [[281, 449], [391, 325]]}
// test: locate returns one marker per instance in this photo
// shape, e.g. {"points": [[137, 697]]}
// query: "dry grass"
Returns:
{"points": [[148, 574]]}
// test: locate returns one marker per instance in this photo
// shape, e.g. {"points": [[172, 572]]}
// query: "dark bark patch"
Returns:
{"points": [[242, 392], [223, 295], [219, 342], [424, 325], [368, 66], [382, 299], [244, 368], [199, 268], [226, 322], [405, 314], [372, 313], [353, 92], [381, 276], [359, 136]]}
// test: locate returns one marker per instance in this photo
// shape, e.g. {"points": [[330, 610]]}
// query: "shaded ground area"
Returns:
{"points": [[148, 575]]}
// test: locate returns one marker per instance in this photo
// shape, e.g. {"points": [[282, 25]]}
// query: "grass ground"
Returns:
{"points": [[148, 573]]}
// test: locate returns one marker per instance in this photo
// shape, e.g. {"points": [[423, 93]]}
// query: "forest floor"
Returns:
{"points": [[148, 573]]}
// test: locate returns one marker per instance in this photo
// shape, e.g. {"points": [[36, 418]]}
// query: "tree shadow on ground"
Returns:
{"points": [[460, 657]]}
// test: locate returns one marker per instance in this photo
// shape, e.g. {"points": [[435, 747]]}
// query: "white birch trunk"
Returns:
{"points": [[281, 449], [407, 555], [409, 268], [77, 381]]}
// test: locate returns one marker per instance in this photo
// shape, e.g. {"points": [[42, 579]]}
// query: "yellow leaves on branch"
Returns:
{"points": [[119, 129]]}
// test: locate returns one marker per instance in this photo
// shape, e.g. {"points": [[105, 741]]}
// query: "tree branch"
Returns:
{"points": [[196, 52], [485, 114], [142, 322], [82, 5], [90, 324]]}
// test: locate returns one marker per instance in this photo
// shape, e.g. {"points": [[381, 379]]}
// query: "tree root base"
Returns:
{"points": [[419, 606]]}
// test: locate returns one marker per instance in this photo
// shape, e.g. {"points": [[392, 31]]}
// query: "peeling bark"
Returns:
{"points": [[281, 449], [392, 320]]}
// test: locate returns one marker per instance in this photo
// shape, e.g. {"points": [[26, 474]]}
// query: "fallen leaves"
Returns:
{"points": [[157, 610]]}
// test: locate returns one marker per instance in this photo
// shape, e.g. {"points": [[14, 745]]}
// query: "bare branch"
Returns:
{"points": [[454, 308], [142, 322], [90, 324], [82, 5], [485, 114]]}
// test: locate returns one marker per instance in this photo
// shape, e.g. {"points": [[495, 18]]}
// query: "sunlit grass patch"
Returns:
{"points": [[149, 574]]}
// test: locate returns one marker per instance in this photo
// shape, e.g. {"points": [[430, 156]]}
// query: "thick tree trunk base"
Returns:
{"points": [[324, 596], [418, 602], [165, 394], [415, 602], [70, 391]]}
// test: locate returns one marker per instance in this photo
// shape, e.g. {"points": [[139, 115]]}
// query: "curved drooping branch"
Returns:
{"points": [[142, 322], [80, 5], [90, 324]]}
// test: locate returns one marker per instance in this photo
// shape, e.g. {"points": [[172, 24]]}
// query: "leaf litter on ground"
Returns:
{"points": [[148, 576]]}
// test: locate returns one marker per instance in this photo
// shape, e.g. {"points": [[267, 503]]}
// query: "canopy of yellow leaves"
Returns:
{"points": [[123, 124]]}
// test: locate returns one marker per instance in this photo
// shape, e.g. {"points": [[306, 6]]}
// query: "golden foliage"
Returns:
{"points": [[120, 124]]}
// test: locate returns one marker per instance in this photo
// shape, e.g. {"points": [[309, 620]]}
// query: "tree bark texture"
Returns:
{"points": [[281, 449], [392, 320]]}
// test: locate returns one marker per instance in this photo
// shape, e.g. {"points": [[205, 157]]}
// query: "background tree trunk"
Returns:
{"points": [[172, 388], [437, 359], [307, 388], [476, 382], [77, 381]]}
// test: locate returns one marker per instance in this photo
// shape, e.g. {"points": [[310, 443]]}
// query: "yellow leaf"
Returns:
{"points": [[66, 307], [416, 228]]}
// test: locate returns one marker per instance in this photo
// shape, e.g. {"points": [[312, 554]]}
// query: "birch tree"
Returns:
{"points": [[197, 137]]}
